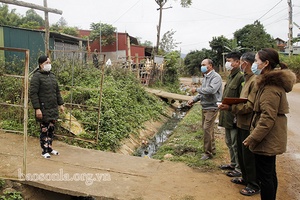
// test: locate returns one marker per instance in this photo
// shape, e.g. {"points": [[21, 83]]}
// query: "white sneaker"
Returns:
{"points": [[46, 155], [54, 152]]}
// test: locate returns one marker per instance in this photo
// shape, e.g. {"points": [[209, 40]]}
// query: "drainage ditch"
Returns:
{"points": [[150, 147]]}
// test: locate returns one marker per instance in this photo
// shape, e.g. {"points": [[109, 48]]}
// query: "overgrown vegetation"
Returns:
{"points": [[125, 105]]}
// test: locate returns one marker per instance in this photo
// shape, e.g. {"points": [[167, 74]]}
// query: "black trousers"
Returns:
{"points": [[266, 174], [46, 136], [246, 160]]}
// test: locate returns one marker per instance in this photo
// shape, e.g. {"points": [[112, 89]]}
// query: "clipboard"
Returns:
{"points": [[232, 100]]}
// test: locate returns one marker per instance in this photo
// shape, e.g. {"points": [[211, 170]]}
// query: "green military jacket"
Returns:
{"points": [[232, 88]]}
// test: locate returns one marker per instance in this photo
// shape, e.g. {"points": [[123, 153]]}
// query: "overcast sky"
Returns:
{"points": [[195, 26]]}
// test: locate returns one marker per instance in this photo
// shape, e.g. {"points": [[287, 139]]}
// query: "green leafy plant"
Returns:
{"points": [[2, 183], [11, 196]]}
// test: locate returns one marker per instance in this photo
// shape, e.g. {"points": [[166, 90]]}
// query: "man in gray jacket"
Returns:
{"points": [[209, 93]]}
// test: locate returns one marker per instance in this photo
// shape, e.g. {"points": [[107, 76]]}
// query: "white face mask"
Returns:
{"points": [[228, 66], [47, 67]]}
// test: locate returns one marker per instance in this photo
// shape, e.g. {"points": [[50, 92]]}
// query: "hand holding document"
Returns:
{"points": [[232, 100]]}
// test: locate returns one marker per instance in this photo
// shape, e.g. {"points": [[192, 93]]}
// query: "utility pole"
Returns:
{"points": [[161, 4], [159, 26], [290, 43]]}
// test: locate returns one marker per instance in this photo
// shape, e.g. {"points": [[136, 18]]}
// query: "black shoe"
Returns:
{"points": [[249, 191], [227, 167], [234, 173]]}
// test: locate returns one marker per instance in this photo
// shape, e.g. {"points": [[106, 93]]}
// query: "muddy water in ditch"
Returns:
{"points": [[150, 147]]}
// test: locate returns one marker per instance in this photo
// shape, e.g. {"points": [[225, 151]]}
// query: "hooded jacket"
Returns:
{"points": [[269, 125], [45, 94]]}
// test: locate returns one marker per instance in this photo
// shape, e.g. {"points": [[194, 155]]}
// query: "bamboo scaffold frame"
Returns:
{"points": [[25, 78]]}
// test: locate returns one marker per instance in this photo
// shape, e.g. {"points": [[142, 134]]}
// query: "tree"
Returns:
{"points": [[218, 46], [32, 18], [254, 37], [70, 31], [193, 61], [9, 18], [171, 71], [147, 43], [168, 43], [233, 46], [107, 33], [62, 22], [31, 25], [61, 27], [186, 3]]}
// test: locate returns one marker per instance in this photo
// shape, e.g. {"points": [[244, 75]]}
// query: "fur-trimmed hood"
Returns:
{"points": [[282, 78]]}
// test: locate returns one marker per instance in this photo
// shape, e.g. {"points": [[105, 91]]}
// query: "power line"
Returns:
{"points": [[275, 14], [269, 10], [127, 11]]}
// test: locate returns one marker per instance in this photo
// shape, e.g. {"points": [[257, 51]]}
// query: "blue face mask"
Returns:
{"points": [[203, 69], [255, 70]]}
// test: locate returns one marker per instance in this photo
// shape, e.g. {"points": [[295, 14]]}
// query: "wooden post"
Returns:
{"points": [[100, 98], [137, 65], [31, 5], [25, 124], [47, 31], [129, 51]]}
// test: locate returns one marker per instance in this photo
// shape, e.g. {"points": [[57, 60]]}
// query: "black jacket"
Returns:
{"points": [[45, 94]]}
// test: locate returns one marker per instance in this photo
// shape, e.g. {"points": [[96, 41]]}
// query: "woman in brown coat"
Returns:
{"points": [[268, 136]]}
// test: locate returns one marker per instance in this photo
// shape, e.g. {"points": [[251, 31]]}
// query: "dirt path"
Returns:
{"points": [[139, 178]]}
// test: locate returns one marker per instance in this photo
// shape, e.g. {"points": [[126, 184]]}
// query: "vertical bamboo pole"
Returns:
{"points": [[129, 51], [100, 98], [26, 83], [72, 90], [137, 66]]}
